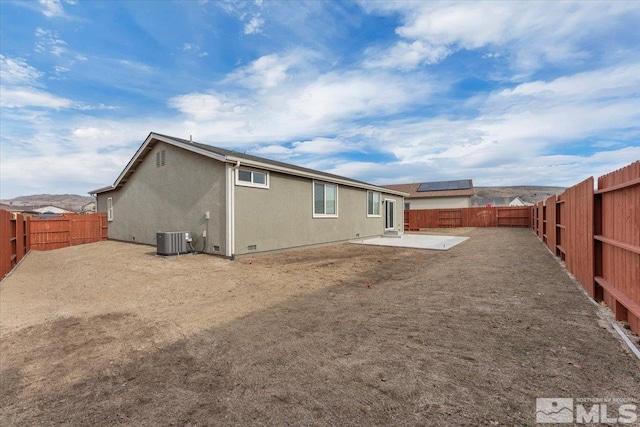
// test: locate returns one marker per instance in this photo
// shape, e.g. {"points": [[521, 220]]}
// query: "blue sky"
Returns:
{"points": [[505, 93]]}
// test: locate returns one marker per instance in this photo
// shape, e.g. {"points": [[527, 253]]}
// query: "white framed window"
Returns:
{"points": [[252, 178], [325, 200], [373, 204], [110, 209]]}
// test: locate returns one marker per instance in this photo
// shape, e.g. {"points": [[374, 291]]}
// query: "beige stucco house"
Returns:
{"points": [[236, 204], [436, 195]]}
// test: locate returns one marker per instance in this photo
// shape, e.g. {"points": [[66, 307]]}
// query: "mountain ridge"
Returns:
{"points": [[72, 202]]}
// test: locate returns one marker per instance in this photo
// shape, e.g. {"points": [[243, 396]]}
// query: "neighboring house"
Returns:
{"points": [[51, 210], [436, 195], [23, 210], [236, 204], [519, 202], [88, 208]]}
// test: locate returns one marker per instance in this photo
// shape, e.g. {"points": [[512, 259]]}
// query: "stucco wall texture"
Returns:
{"points": [[282, 216], [173, 197]]}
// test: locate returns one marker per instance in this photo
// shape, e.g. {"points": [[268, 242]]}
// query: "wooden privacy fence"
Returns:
{"points": [[597, 234], [19, 234], [414, 220], [14, 240], [69, 230]]}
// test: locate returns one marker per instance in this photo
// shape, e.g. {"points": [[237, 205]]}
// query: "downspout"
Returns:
{"points": [[231, 235]]}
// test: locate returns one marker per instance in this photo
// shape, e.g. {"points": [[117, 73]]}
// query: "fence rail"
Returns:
{"points": [[414, 220], [597, 234], [19, 234]]}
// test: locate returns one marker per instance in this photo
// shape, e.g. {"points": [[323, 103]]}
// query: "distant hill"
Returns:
{"points": [[528, 193], [72, 202]]}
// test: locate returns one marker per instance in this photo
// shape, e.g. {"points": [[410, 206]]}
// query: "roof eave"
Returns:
{"points": [[101, 190], [319, 177], [150, 141]]}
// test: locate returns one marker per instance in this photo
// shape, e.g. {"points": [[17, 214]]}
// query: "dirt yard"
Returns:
{"points": [[109, 334]]}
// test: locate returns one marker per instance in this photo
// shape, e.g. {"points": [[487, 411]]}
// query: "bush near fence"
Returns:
{"points": [[19, 234], [597, 234]]}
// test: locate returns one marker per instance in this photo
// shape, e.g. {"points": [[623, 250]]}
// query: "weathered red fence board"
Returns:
{"points": [[551, 236], [578, 241], [617, 243], [467, 217], [540, 229], [14, 241]]}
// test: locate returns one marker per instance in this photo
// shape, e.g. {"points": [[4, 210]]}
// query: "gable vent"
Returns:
{"points": [[161, 158]]}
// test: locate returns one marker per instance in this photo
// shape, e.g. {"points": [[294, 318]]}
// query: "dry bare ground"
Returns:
{"points": [[109, 334]]}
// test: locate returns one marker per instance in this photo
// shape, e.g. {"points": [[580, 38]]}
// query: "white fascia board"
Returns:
{"points": [[101, 190], [317, 177]]}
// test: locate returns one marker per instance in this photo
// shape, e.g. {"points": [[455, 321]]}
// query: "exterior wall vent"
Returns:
{"points": [[161, 158], [172, 242], [252, 247]]}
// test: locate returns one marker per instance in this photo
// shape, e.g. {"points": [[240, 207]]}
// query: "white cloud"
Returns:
{"points": [[255, 25], [621, 81], [406, 56], [136, 66], [60, 69], [248, 13], [206, 106], [49, 41], [52, 8], [14, 71], [315, 107], [194, 48], [534, 33], [22, 89], [321, 146], [31, 97], [264, 73]]}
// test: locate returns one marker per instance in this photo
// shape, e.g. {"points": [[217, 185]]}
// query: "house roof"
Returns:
{"points": [[48, 208], [18, 208], [413, 189], [230, 156]]}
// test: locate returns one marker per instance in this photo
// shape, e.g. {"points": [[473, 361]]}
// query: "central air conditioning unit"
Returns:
{"points": [[172, 242]]}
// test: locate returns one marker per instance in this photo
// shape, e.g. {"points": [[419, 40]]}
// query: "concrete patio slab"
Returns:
{"points": [[434, 242]]}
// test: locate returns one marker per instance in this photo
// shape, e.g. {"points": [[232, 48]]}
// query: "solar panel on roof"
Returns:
{"points": [[462, 184]]}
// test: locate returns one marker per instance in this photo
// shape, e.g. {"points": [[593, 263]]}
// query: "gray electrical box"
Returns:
{"points": [[172, 242]]}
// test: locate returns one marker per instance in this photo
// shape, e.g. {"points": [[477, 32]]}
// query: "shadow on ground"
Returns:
{"points": [[469, 336]]}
